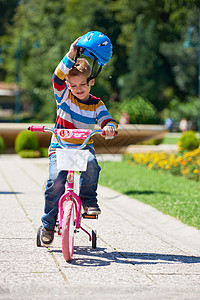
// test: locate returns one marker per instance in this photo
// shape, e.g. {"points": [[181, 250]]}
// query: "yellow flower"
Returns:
{"points": [[185, 171], [150, 166], [167, 167], [195, 171]]}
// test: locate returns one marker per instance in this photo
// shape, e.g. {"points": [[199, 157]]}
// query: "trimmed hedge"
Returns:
{"points": [[29, 154], [26, 140], [188, 141]]}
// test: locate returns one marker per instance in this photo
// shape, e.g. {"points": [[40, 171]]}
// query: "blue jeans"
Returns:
{"points": [[55, 187]]}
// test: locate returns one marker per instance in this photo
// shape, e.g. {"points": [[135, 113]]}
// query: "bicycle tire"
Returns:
{"points": [[94, 239], [68, 230]]}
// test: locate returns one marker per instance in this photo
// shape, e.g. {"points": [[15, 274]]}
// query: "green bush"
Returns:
{"points": [[44, 152], [29, 153], [152, 142], [139, 110], [188, 141], [26, 140], [2, 144]]}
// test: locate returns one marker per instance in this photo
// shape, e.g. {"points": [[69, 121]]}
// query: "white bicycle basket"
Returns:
{"points": [[72, 159]]}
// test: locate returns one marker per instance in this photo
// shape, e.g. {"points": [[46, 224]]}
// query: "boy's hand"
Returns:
{"points": [[109, 131], [73, 49]]}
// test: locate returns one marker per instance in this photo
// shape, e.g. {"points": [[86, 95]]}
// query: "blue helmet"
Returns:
{"points": [[97, 46]]}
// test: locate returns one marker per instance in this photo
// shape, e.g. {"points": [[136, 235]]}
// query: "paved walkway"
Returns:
{"points": [[151, 148], [141, 254]]}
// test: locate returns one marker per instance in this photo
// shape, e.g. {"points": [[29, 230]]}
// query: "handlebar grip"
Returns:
{"points": [[111, 137], [36, 128]]}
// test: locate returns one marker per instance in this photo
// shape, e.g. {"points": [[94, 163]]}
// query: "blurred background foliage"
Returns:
{"points": [[151, 76]]}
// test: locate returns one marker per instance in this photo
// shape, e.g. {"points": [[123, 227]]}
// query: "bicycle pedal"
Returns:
{"points": [[86, 216]]}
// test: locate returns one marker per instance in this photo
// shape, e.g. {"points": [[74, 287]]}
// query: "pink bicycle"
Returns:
{"points": [[69, 216]]}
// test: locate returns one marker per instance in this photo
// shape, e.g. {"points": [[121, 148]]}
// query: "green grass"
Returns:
{"points": [[175, 196], [170, 140]]}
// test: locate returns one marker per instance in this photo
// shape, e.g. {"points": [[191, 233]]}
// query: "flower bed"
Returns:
{"points": [[187, 164]]}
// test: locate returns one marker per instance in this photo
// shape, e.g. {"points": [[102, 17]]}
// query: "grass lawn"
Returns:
{"points": [[175, 196], [170, 140]]}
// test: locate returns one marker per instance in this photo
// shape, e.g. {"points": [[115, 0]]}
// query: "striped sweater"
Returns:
{"points": [[73, 113]]}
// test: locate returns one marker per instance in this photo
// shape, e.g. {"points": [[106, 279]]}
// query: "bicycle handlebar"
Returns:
{"points": [[44, 128], [36, 128]]}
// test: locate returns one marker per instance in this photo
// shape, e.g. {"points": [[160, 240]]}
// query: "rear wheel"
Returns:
{"points": [[94, 239], [68, 230]]}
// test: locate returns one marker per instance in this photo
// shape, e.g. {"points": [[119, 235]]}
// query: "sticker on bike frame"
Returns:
{"points": [[73, 133]]}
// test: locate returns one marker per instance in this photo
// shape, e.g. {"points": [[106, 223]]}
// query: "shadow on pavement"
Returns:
{"points": [[100, 257], [9, 193], [154, 258]]}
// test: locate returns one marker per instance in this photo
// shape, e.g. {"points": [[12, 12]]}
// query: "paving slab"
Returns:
{"points": [[141, 253]]}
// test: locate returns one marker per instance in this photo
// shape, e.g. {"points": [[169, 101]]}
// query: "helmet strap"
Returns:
{"points": [[77, 55], [94, 76]]}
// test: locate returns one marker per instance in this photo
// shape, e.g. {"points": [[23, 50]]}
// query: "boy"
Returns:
{"points": [[76, 108]]}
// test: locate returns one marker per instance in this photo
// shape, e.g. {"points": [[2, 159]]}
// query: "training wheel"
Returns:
{"points": [[94, 239], [38, 239]]}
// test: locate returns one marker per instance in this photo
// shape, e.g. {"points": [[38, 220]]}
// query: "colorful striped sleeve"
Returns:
{"points": [[58, 78], [103, 116]]}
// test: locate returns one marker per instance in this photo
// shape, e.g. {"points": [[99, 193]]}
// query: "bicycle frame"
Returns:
{"points": [[70, 195]]}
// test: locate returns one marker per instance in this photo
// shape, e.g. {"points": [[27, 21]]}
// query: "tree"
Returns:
{"points": [[184, 62], [178, 70], [34, 43], [146, 75], [7, 10]]}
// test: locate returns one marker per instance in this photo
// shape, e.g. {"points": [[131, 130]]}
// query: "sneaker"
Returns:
{"points": [[92, 210], [47, 236]]}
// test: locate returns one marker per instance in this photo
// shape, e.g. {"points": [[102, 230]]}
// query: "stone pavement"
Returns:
{"points": [[151, 148], [141, 253]]}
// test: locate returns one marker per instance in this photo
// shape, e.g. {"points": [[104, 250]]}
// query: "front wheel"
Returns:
{"points": [[68, 230]]}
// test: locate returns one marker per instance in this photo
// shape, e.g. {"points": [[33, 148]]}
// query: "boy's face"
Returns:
{"points": [[79, 87]]}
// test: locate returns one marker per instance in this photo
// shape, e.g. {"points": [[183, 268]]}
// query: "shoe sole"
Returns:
{"points": [[46, 244], [93, 213]]}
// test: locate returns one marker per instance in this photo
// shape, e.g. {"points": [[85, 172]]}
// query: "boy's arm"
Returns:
{"points": [[59, 76], [58, 79], [105, 121], [73, 49]]}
